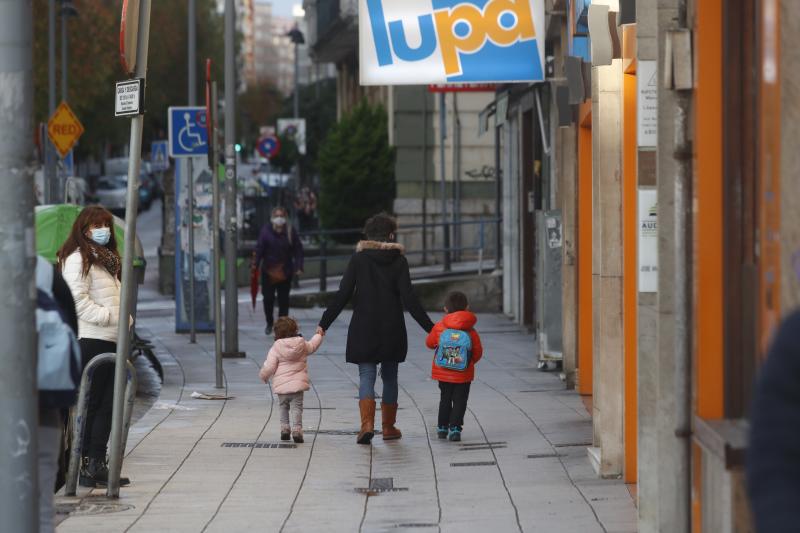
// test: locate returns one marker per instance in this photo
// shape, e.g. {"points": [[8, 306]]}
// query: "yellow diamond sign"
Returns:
{"points": [[64, 129]]}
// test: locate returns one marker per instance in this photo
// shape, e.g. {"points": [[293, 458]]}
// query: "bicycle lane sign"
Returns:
{"points": [[188, 136]]}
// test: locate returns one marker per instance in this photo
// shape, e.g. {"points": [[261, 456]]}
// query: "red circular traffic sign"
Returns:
{"points": [[269, 146]]}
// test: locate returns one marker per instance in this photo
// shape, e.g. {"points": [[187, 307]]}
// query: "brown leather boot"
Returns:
{"points": [[367, 408], [388, 417]]}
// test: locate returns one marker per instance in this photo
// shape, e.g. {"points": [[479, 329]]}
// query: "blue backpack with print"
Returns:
{"points": [[59, 355], [454, 350]]}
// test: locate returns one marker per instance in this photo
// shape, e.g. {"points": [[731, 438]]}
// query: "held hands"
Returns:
{"points": [[320, 331]]}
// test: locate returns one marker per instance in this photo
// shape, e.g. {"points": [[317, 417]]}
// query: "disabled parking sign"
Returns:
{"points": [[188, 136]]}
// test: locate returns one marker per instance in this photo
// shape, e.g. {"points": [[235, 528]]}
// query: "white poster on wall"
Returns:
{"points": [[647, 104], [648, 240]]}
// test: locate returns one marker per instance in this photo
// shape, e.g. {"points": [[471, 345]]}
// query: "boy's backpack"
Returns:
{"points": [[454, 350], [59, 355]]}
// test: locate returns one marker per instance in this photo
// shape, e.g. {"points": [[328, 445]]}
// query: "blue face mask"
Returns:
{"points": [[101, 236]]}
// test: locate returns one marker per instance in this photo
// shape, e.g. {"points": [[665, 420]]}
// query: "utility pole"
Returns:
{"points": [[19, 500], [50, 187], [189, 164], [214, 147], [64, 53], [128, 278], [443, 182], [231, 289]]}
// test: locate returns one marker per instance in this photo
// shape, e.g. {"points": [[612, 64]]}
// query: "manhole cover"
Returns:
{"points": [[91, 508], [475, 463], [257, 445]]}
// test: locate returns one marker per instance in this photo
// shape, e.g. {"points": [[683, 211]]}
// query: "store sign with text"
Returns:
{"points": [[451, 41]]}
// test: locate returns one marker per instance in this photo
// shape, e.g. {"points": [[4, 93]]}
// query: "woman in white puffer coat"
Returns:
{"points": [[91, 266]]}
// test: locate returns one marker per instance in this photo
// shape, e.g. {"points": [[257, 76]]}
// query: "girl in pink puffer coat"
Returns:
{"points": [[286, 365]]}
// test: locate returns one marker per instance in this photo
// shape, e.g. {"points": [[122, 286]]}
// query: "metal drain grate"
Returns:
{"points": [[338, 432], [543, 455], [91, 508], [475, 463], [257, 445], [571, 444], [416, 525], [483, 447], [320, 408], [380, 484], [469, 444]]}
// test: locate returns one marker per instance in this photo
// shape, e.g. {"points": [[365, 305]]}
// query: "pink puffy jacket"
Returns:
{"points": [[286, 364]]}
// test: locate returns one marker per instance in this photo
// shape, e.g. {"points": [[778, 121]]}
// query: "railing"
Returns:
{"points": [[79, 415], [323, 237]]}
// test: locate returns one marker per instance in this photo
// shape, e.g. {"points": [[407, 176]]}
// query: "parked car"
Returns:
{"points": [[111, 193]]}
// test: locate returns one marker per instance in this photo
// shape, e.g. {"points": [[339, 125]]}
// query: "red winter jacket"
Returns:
{"points": [[464, 321]]}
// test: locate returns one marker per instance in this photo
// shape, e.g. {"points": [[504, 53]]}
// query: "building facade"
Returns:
{"points": [[467, 161], [657, 144]]}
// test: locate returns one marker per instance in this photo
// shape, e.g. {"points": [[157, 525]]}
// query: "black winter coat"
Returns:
{"points": [[773, 455], [378, 281]]}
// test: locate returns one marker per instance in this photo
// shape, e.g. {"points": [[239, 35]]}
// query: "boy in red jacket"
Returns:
{"points": [[454, 383]]}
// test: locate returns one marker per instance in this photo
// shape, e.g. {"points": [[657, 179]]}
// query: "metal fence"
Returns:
{"points": [[326, 237]]}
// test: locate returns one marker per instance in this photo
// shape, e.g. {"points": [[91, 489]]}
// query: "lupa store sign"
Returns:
{"points": [[451, 41]]}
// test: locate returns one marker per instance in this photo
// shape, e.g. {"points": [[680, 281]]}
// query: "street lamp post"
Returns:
{"points": [[297, 38], [67, 10]]}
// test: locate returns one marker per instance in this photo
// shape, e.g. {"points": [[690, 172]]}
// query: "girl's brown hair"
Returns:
{"points": [[93, 215], [286, 327]]}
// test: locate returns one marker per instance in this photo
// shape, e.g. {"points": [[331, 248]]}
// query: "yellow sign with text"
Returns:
{"points": [[64, 129]]}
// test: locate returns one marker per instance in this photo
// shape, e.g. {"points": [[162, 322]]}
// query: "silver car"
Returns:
{"points": [[111, 192]]}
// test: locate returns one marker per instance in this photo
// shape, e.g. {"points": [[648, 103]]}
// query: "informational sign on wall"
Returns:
{"points": [[647, 104], [648, 240], [423, 42], [203, 263]]}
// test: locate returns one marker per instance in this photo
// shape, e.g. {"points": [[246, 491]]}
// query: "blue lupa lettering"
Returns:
{"points": [[398, 41], [426, 47]]}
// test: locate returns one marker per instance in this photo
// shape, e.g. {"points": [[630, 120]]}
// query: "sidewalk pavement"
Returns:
{"points": [[217, 466]]}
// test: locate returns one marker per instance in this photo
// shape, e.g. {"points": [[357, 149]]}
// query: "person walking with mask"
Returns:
{"points": [[378, 281], [90, 264], [279, 255]]}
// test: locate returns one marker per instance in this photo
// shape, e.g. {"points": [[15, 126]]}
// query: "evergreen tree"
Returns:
{"points": [[356, 166]]}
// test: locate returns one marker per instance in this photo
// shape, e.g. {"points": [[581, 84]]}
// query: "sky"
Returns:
{"points": [[282, 8]]}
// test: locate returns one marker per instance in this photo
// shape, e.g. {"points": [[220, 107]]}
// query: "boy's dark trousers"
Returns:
{"points": [[453, 403]]}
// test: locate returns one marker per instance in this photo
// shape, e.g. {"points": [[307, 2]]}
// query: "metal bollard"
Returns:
{"points": [[323, 265], [79, 416], [480, 250]]}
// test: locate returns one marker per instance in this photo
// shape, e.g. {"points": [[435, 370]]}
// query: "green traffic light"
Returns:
{"points": [[238, 147]]}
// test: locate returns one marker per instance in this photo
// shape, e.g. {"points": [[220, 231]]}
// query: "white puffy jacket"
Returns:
{"points": [[96, 298]]}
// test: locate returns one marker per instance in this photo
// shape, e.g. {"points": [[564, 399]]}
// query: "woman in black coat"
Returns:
{"points": [[378, 282]]}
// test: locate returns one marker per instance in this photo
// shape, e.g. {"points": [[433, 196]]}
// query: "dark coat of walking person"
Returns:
{"points": [[53, 297], [773, 455], [92, 267], [378, 283], [279, 255]]}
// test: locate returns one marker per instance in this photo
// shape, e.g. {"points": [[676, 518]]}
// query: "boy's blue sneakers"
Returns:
{"points": [[441, 432], [455, 434]]}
